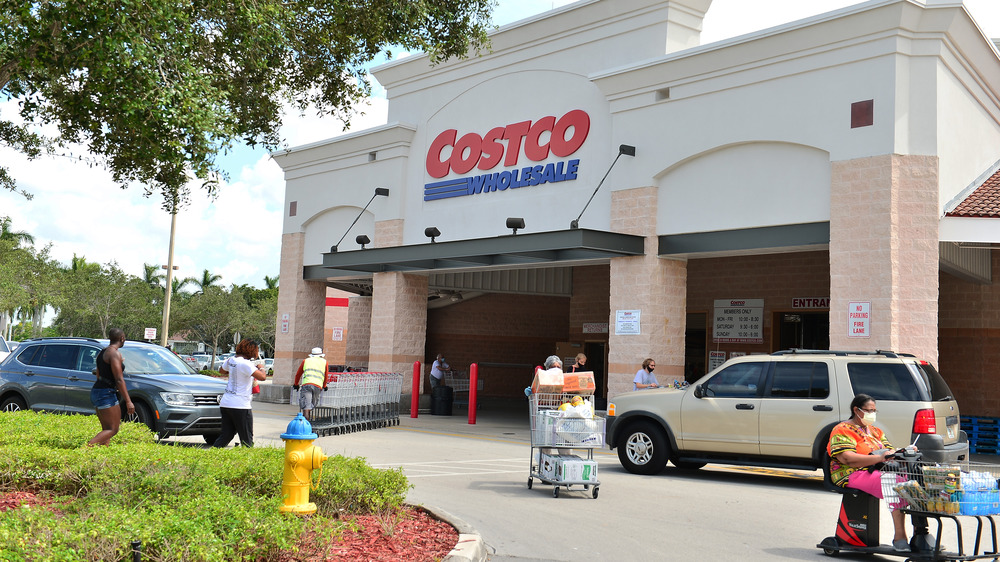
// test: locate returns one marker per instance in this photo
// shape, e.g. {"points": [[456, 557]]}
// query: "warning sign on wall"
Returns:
{"points": [[738, 321], [859, 319]]}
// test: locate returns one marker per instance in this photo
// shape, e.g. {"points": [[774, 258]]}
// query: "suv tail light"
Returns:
{"points": [[925, 422]]}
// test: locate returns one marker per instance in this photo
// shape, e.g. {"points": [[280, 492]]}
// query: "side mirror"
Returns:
{"points": [[699, 392]]}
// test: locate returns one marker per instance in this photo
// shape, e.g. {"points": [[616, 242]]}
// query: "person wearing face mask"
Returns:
{"points": [[644, 377], [856, 447]]}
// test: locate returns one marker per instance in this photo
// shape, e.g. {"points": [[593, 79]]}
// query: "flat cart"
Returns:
{"points": [[960, 492], [556, 432]]}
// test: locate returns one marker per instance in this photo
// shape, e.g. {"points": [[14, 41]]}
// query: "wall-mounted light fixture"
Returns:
{"points": [[515, 224], [384, 192], [363, 239], [625, 149], [432, 232]]}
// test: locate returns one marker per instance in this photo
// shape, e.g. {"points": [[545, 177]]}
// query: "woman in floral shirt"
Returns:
{"points": [[857, 444]]}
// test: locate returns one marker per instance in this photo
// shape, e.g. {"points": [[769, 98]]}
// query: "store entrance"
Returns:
{"points": [[802, 330]]}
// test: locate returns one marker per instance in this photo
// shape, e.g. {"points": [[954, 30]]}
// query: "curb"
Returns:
{"points": [[470, 546]]}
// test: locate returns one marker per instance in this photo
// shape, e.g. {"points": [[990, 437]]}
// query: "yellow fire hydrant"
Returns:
{"points": [[301, 458]]}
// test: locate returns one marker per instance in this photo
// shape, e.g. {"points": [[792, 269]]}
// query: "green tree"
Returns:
{"points": [[207, 280], [158, 88], [95, 300], [212, 316], [151, 275], [270, 282], [17, 237]]}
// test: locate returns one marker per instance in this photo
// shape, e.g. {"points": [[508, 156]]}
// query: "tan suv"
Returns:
{"points": [[777, 411]]}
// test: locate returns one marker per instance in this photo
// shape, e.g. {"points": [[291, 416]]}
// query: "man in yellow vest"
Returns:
{"points": [[310, 381]]}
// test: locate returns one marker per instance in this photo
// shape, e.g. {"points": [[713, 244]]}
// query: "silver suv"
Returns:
{"points": [[778, 410], [56, 375]]}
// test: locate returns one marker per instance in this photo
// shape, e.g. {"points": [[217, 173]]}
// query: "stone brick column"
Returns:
{"points": [[884, 250], [304, 303], [359, 326], [657, 287], [399, 324]]}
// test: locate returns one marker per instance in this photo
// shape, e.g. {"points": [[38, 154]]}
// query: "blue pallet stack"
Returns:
{"points": [[984, 434]]}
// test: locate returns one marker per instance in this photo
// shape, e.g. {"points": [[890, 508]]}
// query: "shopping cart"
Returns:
{"points": [[556, 432], [356, 402], [459, 383], [964, 491]]}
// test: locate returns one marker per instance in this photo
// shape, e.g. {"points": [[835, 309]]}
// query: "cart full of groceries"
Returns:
{"points": [[949, 491], [565, 430]]}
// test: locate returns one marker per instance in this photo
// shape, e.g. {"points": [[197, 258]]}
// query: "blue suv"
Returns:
{"points": [[56, 375]]}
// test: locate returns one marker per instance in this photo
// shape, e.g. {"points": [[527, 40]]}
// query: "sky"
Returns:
{"points": [[80, 211]]}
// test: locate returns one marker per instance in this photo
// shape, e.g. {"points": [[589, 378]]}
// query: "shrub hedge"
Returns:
{"points": [[182, 502]]}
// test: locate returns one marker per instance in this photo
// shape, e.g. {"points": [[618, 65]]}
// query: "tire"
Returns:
{"points": [[13, 403], [689, 465], [555, 492], [211, 438], [529, 482], [142, 415], [596, 488], [643, 449]]}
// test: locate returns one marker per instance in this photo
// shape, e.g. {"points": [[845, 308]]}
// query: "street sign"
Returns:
{"points": [[149, 334]]}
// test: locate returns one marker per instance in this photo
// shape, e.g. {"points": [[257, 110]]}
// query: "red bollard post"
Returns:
{"points": [[473, 390], [415, 390]]}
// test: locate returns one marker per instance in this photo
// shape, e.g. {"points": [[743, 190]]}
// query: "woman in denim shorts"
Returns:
{"points": [[109, 384]]}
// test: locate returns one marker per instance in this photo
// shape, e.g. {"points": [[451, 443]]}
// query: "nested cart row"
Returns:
{"points": [[560, 425], [356, 402]]}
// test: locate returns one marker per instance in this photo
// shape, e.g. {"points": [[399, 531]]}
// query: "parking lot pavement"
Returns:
{"points": [[478, 473]]}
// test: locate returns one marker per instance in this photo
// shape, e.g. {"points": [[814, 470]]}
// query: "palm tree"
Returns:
{"points": [[207, 280], [81, 264], [16, 237], [177, 285], [152, 276], [270, 282]]}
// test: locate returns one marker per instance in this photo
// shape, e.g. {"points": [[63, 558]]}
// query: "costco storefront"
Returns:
{"points": [[602, 183]]}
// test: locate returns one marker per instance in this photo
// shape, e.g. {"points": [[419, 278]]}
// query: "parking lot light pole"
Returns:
{"points": [[170, 267]]}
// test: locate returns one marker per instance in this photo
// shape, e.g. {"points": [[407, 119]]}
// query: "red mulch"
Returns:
{"points": [[415, 537]]}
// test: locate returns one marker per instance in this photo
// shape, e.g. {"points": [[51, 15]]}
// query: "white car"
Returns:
{"points": [[4, 348], [202, 360]]}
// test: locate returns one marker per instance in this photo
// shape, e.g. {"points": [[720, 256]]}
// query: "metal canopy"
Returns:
{"points": [[524, 250]]}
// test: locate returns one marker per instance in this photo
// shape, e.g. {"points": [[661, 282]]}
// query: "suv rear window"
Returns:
{"points": [[800, 379], [934, 381], [885, 381]]}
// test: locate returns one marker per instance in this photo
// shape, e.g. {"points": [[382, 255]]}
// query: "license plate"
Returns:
{"points": [[951, 432]]}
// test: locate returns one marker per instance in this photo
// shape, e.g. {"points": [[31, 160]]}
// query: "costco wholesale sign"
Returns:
{"points": [[738, 321], [536, 140]]}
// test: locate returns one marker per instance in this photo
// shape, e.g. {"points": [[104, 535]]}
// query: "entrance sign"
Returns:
{"points": [[627, 322], [859, 319], [806, 302], [738, 321]]}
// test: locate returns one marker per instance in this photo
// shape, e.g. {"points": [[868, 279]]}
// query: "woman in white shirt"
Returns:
{"points": [[237, 416]]}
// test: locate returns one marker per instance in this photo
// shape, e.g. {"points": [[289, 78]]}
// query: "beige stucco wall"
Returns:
{"points": [[657, 287], [884, 250]]}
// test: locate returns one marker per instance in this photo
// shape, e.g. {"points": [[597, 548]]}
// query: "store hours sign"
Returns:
{"points": [[738, 321]]}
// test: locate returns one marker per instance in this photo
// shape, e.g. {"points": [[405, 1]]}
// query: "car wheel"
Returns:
{"points": [[644, 449], [142, 415], [211, 438], [13, 403]]}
